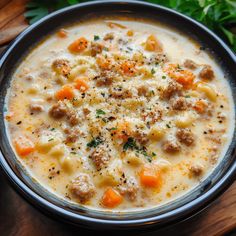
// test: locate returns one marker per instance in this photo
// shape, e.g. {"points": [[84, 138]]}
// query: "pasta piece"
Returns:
{"points": [[157, 132], [185, 120], [208, 90], [67, 164]]}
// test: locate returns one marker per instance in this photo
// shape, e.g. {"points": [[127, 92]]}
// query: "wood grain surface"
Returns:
{"points": [[17, 217]]}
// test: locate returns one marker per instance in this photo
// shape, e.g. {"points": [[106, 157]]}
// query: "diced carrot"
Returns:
{"points": [[130, 33], [79, 45], [150, 176], [152, 44], [81, 84], [62, 33], [128, 68], [9, 116], [66, 92], [111, 198], [122, 131], [182, 76], [200, 106], [24, 146], [115, 25]]}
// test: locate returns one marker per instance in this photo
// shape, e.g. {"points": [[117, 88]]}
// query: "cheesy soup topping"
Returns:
{"points": [[119, 115]]}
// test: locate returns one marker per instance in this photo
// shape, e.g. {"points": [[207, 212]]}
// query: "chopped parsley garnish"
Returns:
{"points": [[154, 154], [50, 139], [131, 144], [187, 96], [94, 142], [153, 71], [52, 129], [74, 153], [96, 37], [100, 112], [129, 48], [168, 126], [163, 77]]}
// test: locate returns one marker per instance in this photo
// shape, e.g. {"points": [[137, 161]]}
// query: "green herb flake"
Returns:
{"points": [[49, 140], [163, 77], [113, 128], [94, 142], [96, 37], [154, 154], [52, 129], [168, 126], [129, 48], [187, 96], [130, 144], [100, 112], [153, 71], [74, 153]]}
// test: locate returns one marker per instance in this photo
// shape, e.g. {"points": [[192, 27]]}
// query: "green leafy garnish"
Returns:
{"points": [[132, 145], [218, 15], [113, 128], [168, 126], [96, 37], [163, 77], [100, 112], [94, 142], [154, 154], [50, 139], [153, 71]]}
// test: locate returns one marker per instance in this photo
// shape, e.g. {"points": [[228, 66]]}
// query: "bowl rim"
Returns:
{"points": [[179, 213]]}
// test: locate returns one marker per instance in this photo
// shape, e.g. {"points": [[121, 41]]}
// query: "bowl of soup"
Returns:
{"points": [[118, 115]]}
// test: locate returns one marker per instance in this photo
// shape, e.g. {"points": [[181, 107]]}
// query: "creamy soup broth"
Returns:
{"points": [[119, 114]]}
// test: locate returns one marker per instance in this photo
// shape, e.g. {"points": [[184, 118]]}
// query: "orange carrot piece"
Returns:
{"points": [[152, 44], [9, 116], [111, 198], [128, 68], [200, 106], [184, 77], [130, 33], [62, 33], [24, 146], [81, 84], [115, 25], [66, 92], [122, 131], [150, 176], [79, 45]]}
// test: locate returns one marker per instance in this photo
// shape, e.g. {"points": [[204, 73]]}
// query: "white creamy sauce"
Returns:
{"points": [[128, 134]]}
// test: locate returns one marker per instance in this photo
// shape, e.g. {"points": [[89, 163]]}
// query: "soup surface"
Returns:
{"points": [[119, 114]]}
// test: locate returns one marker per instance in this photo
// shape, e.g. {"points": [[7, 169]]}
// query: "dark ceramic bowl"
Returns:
{"points": [[175, 211]]}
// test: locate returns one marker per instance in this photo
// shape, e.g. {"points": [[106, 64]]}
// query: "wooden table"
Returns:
{"points": [[19, 218]]}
